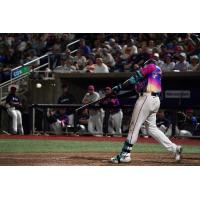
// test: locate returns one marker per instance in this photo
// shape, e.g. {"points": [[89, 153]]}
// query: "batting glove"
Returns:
{"points": [[116, 89]]}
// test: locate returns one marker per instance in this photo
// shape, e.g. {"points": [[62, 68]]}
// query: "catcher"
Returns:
{"points": [[147, 82]]}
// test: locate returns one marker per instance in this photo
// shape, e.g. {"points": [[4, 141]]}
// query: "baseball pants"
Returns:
{"points": [[16, 120], [57, 127], [71, 119], [145, 111], [115, 123], [95, 123]]}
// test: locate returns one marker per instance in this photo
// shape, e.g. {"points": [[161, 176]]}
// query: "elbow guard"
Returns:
{"points": [[137, 76]]}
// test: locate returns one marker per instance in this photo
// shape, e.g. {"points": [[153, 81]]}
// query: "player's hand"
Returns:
{"points": [[116, 89]]}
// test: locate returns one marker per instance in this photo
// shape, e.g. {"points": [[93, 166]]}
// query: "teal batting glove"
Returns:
{"points": [[116, 89]]}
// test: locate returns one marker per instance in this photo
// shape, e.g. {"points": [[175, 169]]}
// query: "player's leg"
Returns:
{"points": [[91, 127], [57, 128], [110, 125], [117, 122], [19, 122], [71, 119], [13, 114], [156, 133], [99, 122], [140, 113]]}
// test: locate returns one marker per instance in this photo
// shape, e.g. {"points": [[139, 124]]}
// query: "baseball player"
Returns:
{"points": [[115, 114], [58, 120], [95, 122], [13, 105], [67, 98], [147, 82]]}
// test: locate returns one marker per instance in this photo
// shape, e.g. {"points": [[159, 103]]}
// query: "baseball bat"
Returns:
{"points": [[94, 102], [91, 103]]}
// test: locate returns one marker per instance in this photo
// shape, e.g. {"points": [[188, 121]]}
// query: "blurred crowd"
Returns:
{"points": [[19, 48], [104, 53], [101, 53]]}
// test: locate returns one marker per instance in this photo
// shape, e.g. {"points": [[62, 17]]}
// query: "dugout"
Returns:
{"points": [[180, 89]]}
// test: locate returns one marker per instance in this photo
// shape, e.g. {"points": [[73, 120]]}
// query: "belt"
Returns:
{"points": [[155, 94], [150, 93]]}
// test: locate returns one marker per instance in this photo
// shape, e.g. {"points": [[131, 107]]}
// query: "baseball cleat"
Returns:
{"points": [[178, 153], [121, 158]]}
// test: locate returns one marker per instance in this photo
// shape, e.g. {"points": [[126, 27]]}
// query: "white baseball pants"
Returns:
{"points": [[57, 127], [115, 123], [145, 111], [95, 123], [16, 120]]}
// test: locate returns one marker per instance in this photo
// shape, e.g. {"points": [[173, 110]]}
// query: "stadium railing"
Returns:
{"points": [[19, 75]]}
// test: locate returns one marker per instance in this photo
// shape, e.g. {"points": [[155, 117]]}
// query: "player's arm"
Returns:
{"points": [[85, 99], [139, 74]]}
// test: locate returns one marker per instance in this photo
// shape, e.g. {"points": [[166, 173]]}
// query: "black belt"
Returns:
{"points": [[155, 94], [152, 94]]}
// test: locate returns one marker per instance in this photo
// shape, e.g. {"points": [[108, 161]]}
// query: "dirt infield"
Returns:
{"points": [[94, 159]]}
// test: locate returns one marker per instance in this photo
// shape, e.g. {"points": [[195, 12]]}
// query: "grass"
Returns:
{"points": [[41, 146]]}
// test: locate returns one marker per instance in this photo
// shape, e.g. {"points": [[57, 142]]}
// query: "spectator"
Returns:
{"points": [[194, 63], [129, 50], [95, 122], [67, 55], [80, 60], [151, 45], [198, 68], [6, 72], [182, 65], [115, 114], [61, 68], [97, 47], [168, 64], [84, 48], [32, 55], [100, 67], [115, 47], [90, 66], [158, 61], [66, 66], [108, 59], [119, 65]]}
